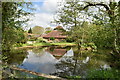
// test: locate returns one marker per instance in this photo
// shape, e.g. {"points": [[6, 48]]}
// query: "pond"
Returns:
{"points": [[59, 61]]}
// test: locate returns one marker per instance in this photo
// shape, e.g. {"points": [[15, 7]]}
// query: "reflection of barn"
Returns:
{"points": [[57, 52], [57, 33], [45, 62]]}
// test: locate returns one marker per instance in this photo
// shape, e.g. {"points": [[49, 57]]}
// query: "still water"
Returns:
{"points": [[60, 61]]}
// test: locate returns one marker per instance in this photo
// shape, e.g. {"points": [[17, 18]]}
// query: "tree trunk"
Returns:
{"points": [[115, 41]]}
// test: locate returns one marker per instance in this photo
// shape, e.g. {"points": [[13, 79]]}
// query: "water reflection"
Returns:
{"points": [[78, 63], [62, 61], [44, 63], [57, 52], [14, 57], [43, 60]]}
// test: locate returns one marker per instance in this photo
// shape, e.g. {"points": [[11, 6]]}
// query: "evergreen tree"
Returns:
{"points": [[30, 31]]}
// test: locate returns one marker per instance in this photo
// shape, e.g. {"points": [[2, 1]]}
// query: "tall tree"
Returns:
{"points": [[12, 12], [69, 16], [0, 25], [113, 11], [30, 30]]}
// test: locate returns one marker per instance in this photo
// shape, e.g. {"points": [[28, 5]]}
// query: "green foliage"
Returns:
{"points": [[11, 12], [14, 56], [52, 38], [18, 45], [38, 30], [40, 39], [30, 30], [69, 39], [33, 39], [111, 19], [7, 41], [78, 34], [63, 40], [101, 36], [11, 23], [29, 44], [69, 14], [104, 31], [91, 45], [73, 77], [104, 74], [48, 30], [12, 36]]}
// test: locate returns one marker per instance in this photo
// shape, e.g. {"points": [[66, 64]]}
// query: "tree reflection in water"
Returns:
{"points": [[14, 57], [59, 61], [71, 66], [79, 63]]}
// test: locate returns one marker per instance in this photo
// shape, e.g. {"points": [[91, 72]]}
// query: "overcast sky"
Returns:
{"points": [[45, 11]]}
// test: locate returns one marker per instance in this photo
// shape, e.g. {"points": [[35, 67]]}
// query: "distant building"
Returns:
{"points": [[57, 33], [30, 35]]}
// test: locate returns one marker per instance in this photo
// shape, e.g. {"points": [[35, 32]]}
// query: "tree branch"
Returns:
{"points": [[98, 4]]}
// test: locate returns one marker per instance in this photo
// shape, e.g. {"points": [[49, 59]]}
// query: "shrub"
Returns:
{"points": [[32, 39], [92, 45], [52, 38], [63, 40], [104, 74], [40, 39], [68, 39], [18, 45], [29, 44]]}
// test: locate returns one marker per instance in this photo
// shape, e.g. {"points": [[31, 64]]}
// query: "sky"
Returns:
{"points": [[45, 12]]}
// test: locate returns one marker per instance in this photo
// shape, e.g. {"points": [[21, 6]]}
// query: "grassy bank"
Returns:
{"points": [[46, 44], [49, 44]]}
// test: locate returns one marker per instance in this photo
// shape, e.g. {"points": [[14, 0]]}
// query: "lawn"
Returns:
{"points": [[49, 44]]}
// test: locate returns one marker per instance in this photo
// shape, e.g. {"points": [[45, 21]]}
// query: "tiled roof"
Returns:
{"points": [[55, 34]]}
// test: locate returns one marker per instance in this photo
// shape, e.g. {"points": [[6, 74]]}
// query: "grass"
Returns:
{"points": [[50, 44], [112, 73], [64, 44], [42, 44]]}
